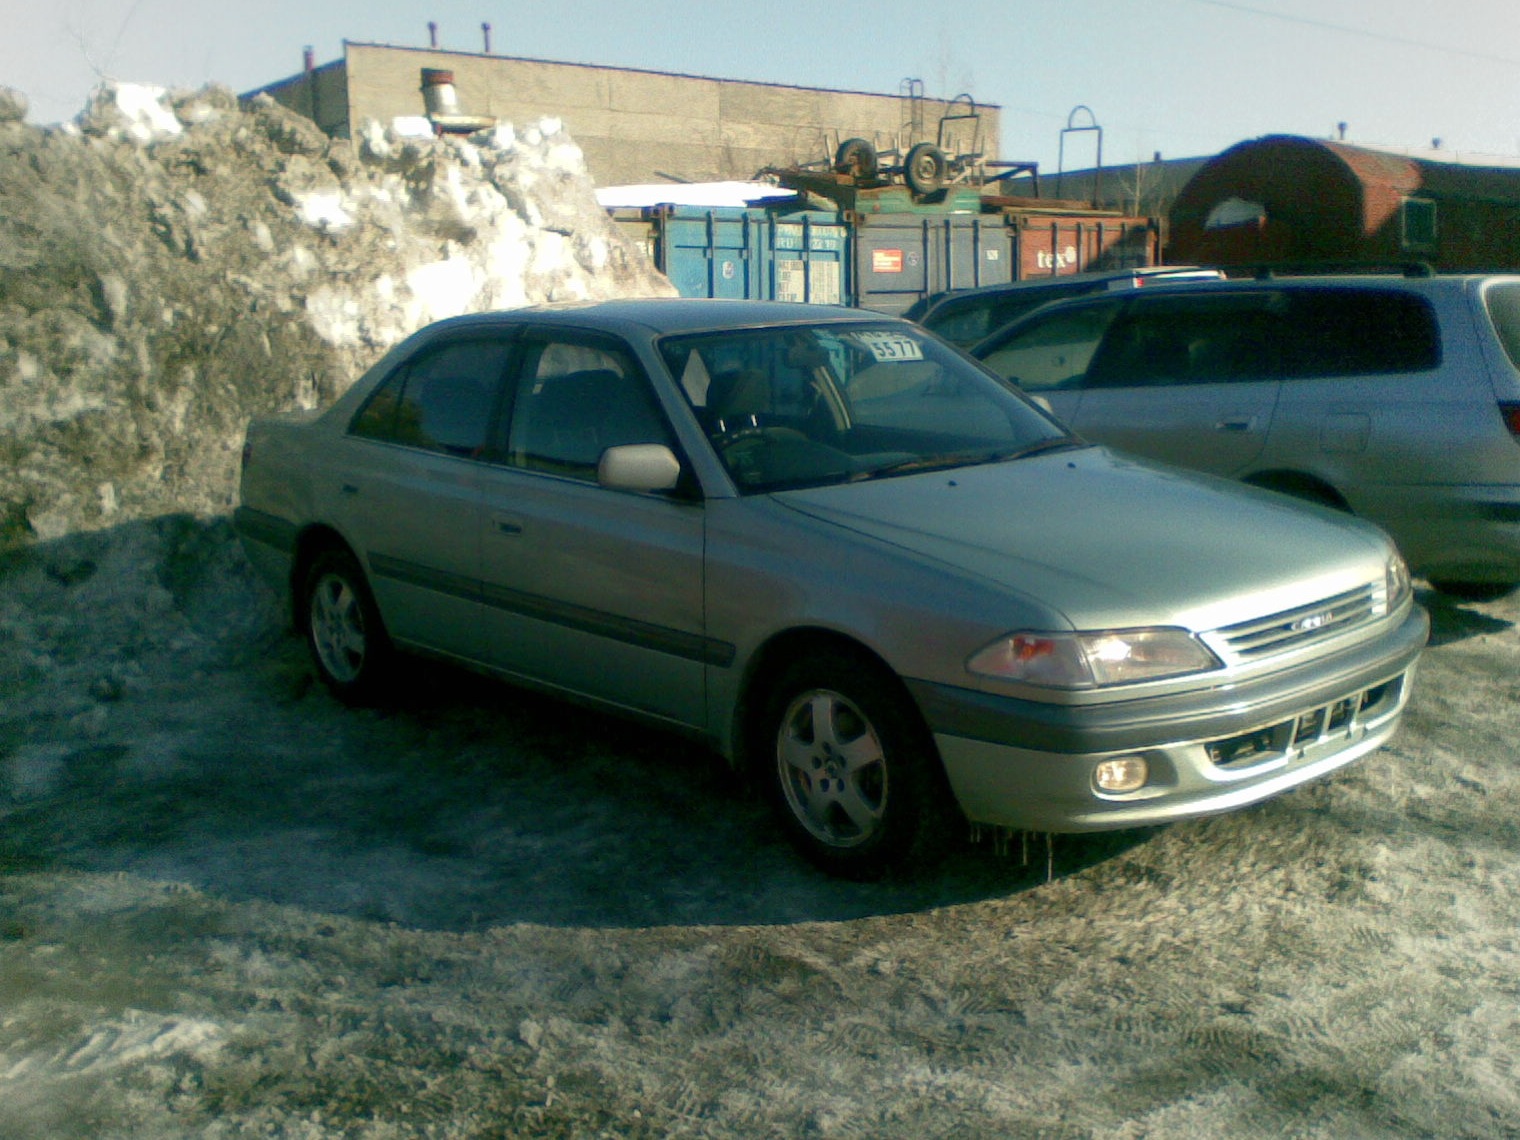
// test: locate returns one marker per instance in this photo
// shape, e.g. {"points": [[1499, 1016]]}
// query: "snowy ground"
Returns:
{"points": [[229, 906]]}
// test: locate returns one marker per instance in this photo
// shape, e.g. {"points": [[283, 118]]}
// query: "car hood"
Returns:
{"points": [[1109, 542]]}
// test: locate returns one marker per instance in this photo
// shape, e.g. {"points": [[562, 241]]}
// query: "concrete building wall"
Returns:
{"points": [[320, 94], [634, 126]]}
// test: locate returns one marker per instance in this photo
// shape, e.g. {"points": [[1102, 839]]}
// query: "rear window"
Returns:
{"points": [[1503, 303]]}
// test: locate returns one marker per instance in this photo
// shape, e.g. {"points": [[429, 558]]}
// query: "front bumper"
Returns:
{"points": [[1027, 765]]}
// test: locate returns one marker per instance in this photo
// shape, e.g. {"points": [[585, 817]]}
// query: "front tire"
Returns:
{"points": [[851, 773], [343, 629]]}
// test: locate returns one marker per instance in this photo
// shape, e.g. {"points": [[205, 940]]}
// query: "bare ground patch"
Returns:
{"points": [[229, 906]]}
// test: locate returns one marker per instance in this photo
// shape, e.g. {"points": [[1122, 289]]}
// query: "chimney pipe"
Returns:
{"points": [[438, 94], [1341, 130], [308, 58], [485, 31], [433, 33]]}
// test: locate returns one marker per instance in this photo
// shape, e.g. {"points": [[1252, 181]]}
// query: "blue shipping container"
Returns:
{"points": [[752, 253], [883, 261]]}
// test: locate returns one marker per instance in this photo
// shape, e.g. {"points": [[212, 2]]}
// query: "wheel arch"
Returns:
{"points": [[767, 663], [310, 543], [1300, 485]]}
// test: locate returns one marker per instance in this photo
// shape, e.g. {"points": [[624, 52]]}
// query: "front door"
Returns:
{"points": [[590, 590], [1187, 378]]}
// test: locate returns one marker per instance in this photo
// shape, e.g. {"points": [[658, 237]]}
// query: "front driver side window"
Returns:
{"points": [[576, 400]]}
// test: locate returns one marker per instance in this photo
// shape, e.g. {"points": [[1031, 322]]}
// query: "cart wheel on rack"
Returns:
{"points": [[857, 158], [925, 169]]}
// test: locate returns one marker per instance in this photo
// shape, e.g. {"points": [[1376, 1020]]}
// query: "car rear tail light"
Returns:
{"points": [[1511, 414]]}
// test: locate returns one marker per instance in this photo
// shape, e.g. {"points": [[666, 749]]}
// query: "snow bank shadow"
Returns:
{"points": [[157, 719]]}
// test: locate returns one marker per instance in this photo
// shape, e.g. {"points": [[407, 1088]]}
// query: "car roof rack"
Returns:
{"points": [[1269, 269]]}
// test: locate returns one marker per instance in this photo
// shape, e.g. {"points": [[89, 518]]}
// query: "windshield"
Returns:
{"points": [[801, 406]]}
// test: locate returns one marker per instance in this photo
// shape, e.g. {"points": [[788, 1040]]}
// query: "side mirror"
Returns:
{"points": [[639, 467]]}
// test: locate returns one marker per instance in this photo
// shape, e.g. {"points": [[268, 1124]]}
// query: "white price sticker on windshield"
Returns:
{"points": [[888, 347]]}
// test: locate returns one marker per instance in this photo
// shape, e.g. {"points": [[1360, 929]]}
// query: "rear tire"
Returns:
{"points": [[349, 646], [850, 771]]}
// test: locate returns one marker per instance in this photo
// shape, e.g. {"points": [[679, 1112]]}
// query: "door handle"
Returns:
{"points": [[1236, 425], [509, 527], [348, 489]]}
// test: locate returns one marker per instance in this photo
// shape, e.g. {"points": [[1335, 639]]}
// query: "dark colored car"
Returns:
{"points": [[964, 317]]}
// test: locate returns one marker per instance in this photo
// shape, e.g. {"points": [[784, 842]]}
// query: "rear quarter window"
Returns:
{"points": [[1359, 332], [1503, 302]]}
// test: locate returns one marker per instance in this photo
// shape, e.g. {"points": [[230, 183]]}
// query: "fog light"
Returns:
{"points": [[1123, 774]]}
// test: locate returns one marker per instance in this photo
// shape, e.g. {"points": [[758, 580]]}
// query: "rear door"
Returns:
{"points": [[408, 489], [1191, 379]]}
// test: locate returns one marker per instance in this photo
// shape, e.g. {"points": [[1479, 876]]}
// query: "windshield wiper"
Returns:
{"points": [[1041, 446], [967, 458]]}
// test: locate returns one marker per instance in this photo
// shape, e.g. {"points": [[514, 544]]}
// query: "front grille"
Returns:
{"points": [[1303, 625]]}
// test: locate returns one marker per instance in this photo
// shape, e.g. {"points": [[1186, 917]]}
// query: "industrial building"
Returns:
{"points": [[634, 126]]}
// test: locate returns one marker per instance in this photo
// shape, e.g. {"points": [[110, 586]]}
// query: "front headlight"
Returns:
{"points": [[1095, 659], [1396, 587]]}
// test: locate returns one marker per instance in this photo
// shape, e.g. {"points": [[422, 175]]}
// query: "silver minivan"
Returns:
{"points": [[1396, 398]]}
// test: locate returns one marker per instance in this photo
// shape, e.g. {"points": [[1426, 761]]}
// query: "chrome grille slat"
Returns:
{"points": [[1298, 626]]}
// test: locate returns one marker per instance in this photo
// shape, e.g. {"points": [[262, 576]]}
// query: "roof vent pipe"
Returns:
{"points": [[433, 33], [438, 94], [485, 31], [308, 58]]}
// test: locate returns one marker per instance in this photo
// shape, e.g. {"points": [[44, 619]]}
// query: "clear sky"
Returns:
{"points": [[1183, 77]]}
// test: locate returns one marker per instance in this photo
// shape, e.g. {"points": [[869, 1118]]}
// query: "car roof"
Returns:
{"points": [[661, 315], [1306, 281], [1086, 281], [1412, 283]]}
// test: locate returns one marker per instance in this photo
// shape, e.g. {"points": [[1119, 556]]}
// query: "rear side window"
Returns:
{"points": [[1503, 303], [440, 400], [1359, 332]]}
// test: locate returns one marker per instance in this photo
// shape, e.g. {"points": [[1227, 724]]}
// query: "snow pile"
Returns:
{"points": [[171, 264]]}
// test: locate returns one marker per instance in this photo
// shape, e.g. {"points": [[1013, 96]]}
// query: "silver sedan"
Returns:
{"points": [[842, 554]]}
